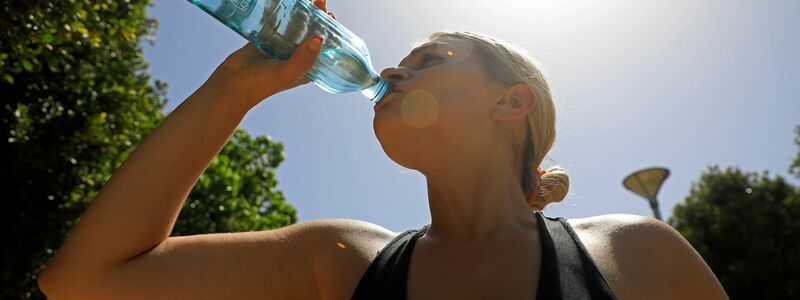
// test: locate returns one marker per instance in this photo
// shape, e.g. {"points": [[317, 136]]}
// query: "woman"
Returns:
{"points": [[472, 114]]}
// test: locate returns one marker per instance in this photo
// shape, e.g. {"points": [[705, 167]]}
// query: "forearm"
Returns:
{"points": [[138, 206]]}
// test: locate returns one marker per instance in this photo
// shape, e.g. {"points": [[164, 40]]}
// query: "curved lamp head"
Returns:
{"points": [[646, 182]]}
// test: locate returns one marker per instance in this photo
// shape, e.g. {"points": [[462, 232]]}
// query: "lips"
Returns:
{"points": [[386, 99]]}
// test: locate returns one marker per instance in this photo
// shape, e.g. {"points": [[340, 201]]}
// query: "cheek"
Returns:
{"points": [[462, 98], [419, 108], [462, 84]]}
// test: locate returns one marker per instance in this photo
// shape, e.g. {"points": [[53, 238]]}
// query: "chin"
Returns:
{"points": [[399, 142]]}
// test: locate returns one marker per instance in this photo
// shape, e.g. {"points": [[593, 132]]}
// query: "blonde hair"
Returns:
{"points": [[511, 65]]}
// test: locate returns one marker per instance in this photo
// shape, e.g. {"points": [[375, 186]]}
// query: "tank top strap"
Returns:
{"points": [[386, 276], [567, 271]]}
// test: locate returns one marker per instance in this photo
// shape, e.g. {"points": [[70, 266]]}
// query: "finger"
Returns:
{"points": [[332, 16], [321, 4], [302, 59]]}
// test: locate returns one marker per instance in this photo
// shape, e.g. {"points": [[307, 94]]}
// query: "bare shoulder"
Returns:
{"points": [[349, 228], [343, 250], [615, 223], [643, 257], [331, 238]]}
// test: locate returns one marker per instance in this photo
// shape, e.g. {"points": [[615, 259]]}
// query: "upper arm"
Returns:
{"points": [[656, 255], [689, 276], [274, 264]]}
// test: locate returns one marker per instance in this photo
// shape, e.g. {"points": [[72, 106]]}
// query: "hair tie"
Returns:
{"points": [[533, 199], [539, 173]]}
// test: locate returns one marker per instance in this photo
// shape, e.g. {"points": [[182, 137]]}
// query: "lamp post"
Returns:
{"points": [[646, 183]]}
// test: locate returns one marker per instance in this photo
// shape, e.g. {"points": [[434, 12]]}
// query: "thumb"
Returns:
{"points": [[302, 59]]}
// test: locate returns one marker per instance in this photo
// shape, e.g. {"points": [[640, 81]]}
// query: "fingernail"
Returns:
{"points": [[315, 44]]}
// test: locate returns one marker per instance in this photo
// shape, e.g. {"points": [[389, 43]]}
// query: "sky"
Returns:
{"points": [[677, 84]]}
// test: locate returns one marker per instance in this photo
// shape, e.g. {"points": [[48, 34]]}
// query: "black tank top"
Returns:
{"points": [[567, 271]]}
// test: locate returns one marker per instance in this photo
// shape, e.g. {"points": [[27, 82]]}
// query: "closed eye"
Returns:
{"points": [[427, 58]]}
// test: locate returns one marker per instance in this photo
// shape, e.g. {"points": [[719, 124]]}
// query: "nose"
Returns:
{"points": [[394, 74]]}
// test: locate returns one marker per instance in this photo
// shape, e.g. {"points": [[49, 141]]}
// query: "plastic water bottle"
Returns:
{"points": [[278, 26]]}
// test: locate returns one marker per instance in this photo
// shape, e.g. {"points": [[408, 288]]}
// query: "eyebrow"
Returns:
{"points": [[419, 50]]}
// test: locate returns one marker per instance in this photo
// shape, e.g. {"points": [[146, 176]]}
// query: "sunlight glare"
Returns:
{"points": [[419, 108]]}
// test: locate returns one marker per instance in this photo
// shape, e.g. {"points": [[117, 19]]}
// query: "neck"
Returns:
{"points": [[478, 200]]}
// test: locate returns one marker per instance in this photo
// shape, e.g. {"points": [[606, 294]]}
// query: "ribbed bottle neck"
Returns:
{"points": [[376, 91]]}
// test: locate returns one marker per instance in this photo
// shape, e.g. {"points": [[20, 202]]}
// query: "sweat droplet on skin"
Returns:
{"points": [[419, 108]]}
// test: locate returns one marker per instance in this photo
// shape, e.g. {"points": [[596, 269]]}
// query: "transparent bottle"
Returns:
{"points": [[278, 26]]}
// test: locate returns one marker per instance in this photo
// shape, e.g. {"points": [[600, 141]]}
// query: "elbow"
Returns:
{"points": [[46, 283], [55, 285]]}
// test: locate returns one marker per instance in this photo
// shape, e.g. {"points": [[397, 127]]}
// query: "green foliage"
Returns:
{"points": [[75, 100], [237, 192], [744, 225]]}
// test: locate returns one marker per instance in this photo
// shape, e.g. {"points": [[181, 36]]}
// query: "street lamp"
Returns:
{"points": [[646, 183]]}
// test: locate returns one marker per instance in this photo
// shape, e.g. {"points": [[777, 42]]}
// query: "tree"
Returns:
{"points": [[76, 99], [237, 192], [745, 226], [795, 167]]}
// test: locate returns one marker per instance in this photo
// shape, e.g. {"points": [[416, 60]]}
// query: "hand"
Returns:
{"points": [[253, 75]]}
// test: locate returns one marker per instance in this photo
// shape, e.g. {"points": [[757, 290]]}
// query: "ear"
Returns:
{"points": [[515, 102]]}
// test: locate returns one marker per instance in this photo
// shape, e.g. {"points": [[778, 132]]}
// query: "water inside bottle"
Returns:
{"points": [[338, 71]]}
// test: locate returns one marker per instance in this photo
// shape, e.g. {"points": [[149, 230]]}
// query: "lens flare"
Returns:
{"points": [[419, 108], [458, 51]]}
